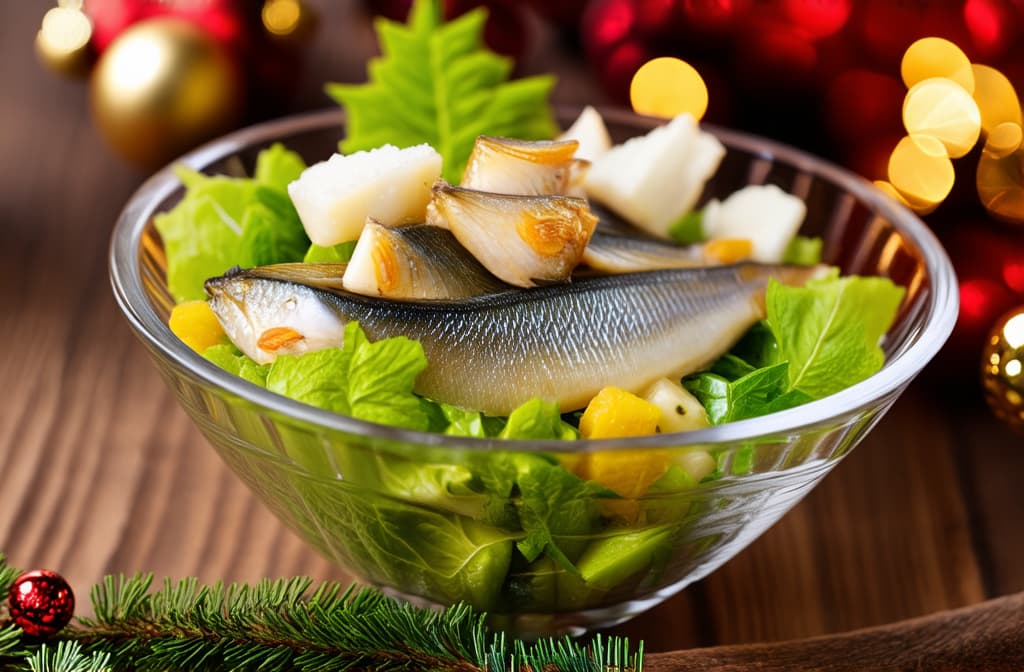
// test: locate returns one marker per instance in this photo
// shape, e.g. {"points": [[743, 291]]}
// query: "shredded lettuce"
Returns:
{"points": [[223, 222]]}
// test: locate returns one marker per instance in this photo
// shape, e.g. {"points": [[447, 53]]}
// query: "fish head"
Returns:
{"points": [[266, 316]]}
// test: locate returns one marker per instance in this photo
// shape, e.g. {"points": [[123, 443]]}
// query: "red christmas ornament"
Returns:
{"points": [[221, 18], [41, 603]]}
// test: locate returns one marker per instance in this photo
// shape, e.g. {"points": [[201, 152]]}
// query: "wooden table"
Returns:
{"points": [[101, 472]]}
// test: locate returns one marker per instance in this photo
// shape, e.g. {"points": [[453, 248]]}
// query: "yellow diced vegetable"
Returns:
{"points": [[728, 250], [195, 324], [616, 413]]}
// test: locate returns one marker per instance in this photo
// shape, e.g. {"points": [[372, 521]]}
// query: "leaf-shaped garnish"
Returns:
{"points": [[437, 83]]}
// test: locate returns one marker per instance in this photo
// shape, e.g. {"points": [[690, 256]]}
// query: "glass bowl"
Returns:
{"points": [[435, 519]]}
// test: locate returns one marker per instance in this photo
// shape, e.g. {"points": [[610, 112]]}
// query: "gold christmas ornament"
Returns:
{"points": [[64, 40], [162, 87], [1002, 369]]}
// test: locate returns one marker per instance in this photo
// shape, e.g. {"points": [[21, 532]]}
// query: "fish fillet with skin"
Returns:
{"points": [[493, 352]]}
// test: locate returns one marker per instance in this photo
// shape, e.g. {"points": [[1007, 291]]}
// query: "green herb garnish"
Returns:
{"points": [[437, 83]]}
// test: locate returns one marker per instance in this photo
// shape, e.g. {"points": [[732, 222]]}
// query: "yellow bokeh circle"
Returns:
{"points": [[667, 87], [935, 57], [941, 108]]}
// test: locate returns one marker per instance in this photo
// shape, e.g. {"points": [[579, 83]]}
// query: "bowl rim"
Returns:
{"points": [[941, 309]]}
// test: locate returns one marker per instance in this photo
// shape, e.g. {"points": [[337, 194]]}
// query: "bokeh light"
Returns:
{"points": [[941, 108], [668, 87], [996, 98], [920, 168], [936, 57]]}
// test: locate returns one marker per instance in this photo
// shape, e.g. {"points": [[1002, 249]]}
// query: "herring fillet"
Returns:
{"points": [[562, 343]]}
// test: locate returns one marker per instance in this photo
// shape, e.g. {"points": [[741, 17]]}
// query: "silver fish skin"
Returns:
{"points": [[415, 261], [561, 343], [611, 253]]}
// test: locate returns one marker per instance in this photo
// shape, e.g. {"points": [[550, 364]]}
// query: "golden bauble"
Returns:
{"points": [[162, 87], [1002, 368]]}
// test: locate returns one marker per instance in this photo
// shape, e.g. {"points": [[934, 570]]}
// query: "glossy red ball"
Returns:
{"points": [[41, 603]]}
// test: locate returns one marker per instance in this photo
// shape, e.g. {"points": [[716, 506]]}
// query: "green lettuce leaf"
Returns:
{"points": [[446, 557], [276, 167], [829, 330], [223, 222], [755, 393], [803, 251], [538, 420], [436, 83], [369, 381], [689, 228], [231, 360], [335, 254], [557, 509]]}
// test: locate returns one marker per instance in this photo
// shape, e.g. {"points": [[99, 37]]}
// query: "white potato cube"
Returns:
{"points": [[680, 410], [334, 197], [764, 214], [698, 464], [589, 130], [652, 180]]}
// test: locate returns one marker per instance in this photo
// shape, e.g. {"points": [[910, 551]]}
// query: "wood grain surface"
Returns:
{"points": [[101, 472]]}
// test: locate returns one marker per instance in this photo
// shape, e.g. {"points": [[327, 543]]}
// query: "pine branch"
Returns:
{"points": [[282, 625], [67, 657]]}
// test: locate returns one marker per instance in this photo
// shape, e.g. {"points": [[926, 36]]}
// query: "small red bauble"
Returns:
{"points": [[41, 602]]}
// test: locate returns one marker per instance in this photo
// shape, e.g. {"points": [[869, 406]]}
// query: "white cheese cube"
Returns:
{"points": [[764, 214], [652, 180], [334, 197]]}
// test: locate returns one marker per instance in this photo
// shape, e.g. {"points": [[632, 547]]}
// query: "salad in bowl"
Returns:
{"points": [[560, 390]]}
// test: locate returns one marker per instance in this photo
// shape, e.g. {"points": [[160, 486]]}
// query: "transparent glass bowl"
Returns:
{"points": [[425, 516]]}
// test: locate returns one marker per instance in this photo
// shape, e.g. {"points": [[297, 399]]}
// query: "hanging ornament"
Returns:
{"points": [[1002, 368], [162, 87], [41, 603], [167, 75]]}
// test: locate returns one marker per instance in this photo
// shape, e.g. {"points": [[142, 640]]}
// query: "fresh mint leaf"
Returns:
{"points": [[538, 420], [335, 254], [829, 330], [436, 83], [369, 381], [803, 251], [688, 229], [231, 360]]}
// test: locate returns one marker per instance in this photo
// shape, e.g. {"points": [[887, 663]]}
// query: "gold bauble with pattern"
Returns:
{"points": [[163, 87], [1002, 369]]}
